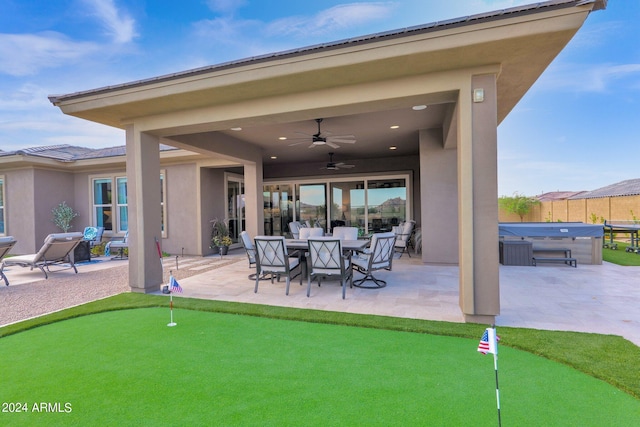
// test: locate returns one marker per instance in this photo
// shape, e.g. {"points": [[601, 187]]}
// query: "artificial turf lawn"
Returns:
{"points": [[128, 368], [620, 256]]}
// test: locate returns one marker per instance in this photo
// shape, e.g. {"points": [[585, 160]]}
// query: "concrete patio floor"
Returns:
{"points": [[591, 298]]}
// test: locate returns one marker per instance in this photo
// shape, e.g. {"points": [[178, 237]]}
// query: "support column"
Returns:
{"points": [[253, 198], [478, 201], [143, 197], [439, 211]]}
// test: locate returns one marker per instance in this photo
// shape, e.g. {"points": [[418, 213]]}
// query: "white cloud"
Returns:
{"points": [[333, 19], [588, 77], [118, 24], [27, 54]]}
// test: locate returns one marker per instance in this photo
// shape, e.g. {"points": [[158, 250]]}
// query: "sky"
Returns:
{"points": [[576, 129]]}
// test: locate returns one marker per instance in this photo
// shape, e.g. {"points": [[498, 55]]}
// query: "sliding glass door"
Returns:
{"points": [[278, 209], [311, 204], [372, 204]]}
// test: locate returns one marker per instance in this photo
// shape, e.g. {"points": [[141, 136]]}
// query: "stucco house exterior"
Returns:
{"points": [[423, 104]]}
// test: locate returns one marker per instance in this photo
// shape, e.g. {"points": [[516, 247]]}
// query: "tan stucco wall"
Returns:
{"points": [[28, 213], [589, 211], [19, 209]]}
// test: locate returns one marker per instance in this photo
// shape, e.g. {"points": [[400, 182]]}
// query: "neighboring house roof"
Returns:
{"points": [[630, 187], [70, 153], [557, 195]]}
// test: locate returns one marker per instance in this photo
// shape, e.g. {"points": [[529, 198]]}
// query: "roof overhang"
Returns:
{"points": [[516, 44]]}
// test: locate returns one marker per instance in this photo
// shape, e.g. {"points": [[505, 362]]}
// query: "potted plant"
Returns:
{"points": [[63, 215], [220, 236]]}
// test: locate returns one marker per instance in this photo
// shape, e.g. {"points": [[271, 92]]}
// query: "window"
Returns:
{"points": [[102, 209], [123, 214], [110, 210], [2, 226]]}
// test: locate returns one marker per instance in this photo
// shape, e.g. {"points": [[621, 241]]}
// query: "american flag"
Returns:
{"points": [[174, 286], [488, 342]]}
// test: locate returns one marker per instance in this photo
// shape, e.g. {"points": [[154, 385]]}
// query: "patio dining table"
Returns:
{"points": [[347, 245], [302, 245]]}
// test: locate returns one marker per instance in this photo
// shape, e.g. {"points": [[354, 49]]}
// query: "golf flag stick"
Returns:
{"points": [[174, 286], [489, 344], [171, 322]]}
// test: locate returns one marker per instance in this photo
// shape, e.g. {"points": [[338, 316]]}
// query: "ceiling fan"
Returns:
{"points": [[335, 166], [326, 138]]}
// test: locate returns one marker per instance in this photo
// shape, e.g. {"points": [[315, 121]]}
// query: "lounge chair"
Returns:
{"points": [[6, 243], [93, 235], [120, 245], [57, 248]]}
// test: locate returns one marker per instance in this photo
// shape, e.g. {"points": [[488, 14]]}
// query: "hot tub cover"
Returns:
{"points": [[550, 229]]}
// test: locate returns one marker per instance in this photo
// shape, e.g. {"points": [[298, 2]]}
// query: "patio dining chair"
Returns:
{"points": [[6, 243], [294, 228], [345, 233], [306, 232], [327, 261], [403, 237], [379, 257], [272, 257], [250, 249], [57, 248]]}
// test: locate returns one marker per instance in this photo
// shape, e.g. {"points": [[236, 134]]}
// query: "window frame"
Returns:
{"points": [[117, 204]]}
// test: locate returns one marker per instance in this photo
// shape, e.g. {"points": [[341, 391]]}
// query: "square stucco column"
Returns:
{"points": [[143, 197], [438, 190], [253, 198], [478, 201]]}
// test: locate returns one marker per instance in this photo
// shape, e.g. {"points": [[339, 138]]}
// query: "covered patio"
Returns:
{"points": [[447, 85]]}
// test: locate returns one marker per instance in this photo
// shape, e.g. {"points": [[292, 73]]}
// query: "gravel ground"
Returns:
{"points": [[21, 302]]}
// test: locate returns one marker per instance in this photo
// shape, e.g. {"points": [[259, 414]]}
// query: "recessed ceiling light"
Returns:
{"points": [[393, 147], [282, 138], [274, 157], [236, 129], [419, 107], [394, 127]]}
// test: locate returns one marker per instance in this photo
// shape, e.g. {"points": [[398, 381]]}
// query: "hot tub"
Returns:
{"points": [[583, 240]]}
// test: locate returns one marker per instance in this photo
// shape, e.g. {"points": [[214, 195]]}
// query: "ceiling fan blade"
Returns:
{"points": [[341, 141], [344, 165], [312, 146], [304, 133], [296, 143], [331, 144], [343, 137]]}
